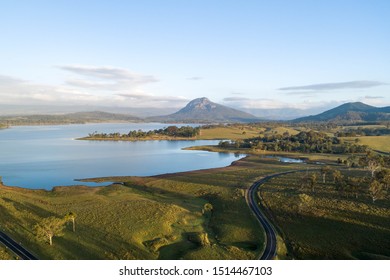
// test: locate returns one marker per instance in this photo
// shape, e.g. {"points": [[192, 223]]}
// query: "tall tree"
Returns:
{"points": [[353, 185], [383, 176], [325, 170], [71, 217], [373, 165], [376, 190], [372, 162], [49, 227], [313, 181]]}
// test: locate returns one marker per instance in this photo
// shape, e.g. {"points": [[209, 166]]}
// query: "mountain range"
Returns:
{"points": [[351, 112], [202, 110]]}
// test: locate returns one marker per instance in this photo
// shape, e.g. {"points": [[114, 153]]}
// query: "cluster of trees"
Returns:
{"points": [[370, 160], [49, 227], [375, 186], [305, 141], [171, 131], [379, 168]]}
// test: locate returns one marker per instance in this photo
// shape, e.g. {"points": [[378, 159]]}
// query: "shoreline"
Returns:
{"points": [[112, 180], [129, 139]]}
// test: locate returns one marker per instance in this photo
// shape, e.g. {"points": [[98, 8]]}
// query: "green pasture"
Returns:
{"points": [[327, 223]]}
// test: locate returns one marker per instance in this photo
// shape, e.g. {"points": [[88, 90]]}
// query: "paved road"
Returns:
{"points": [[270, 242], [15, 247]]}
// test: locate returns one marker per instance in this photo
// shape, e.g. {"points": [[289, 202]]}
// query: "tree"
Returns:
{"points": [[371, 162], [353, 185], [373, 166], [339, 181], [376, 190], [71, 217], [49, 227], [383, 176], [325, 170], [337, 176], [313, 181]]}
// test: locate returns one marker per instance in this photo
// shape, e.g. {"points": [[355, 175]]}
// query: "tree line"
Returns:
{"points": [[171, 131], [363, 132], [305, 142]]}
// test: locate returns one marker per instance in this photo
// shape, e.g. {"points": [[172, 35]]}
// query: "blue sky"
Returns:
{"points": [[248, 54]]}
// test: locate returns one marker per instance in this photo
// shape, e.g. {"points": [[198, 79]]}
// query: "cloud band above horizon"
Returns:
{"points": [[335, 86]]}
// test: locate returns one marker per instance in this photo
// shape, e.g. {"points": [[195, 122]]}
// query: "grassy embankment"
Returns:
{"points": [[160, 217], [327, 224]]}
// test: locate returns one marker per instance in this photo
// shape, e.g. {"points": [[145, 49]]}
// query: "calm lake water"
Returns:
{"points": [[41, 157]]}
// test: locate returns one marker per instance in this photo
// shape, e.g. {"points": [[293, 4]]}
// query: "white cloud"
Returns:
{"points": [[333, 86], [373, 97], [89, 85], [109, 73], [106, 78]]}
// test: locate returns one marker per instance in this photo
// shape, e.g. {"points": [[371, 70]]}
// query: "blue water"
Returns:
{"points": [[41, 157], [287, 159]]}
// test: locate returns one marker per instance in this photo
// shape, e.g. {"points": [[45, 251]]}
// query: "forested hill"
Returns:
{"points": [[351, 112]]}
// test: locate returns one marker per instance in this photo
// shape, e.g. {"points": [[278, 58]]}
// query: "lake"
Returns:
{"points": [[41, 157]]}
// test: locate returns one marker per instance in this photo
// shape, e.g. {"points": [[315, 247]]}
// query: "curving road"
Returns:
{"points": [[269, 252], [15, 247]]}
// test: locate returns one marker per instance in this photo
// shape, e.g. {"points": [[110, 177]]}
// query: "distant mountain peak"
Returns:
{"points": [[356, 106], [202, 103], [204, 110]]}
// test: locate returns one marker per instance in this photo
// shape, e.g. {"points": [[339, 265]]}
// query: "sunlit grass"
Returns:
{"points": [[381, 143], [230, 132]]}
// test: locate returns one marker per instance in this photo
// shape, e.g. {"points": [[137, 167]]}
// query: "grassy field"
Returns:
{"points": [[230, 132], [5, 254], [326, 224], [281, 129], [381, 143], [160, 217]]}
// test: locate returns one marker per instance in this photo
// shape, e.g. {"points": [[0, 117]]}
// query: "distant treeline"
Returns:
{"points": [[72, 118], [364, 132], [171, 131], [305, 142]]}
